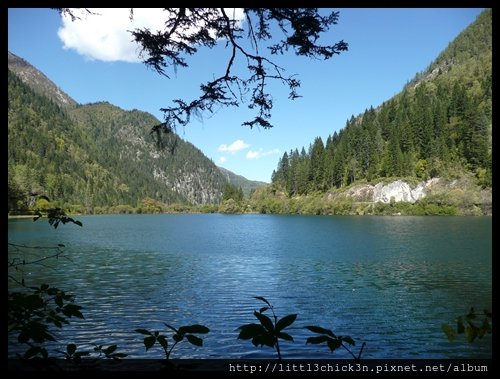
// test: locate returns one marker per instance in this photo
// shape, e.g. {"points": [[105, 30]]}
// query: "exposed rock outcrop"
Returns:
{"points": [[401, 191], [398, 190]]}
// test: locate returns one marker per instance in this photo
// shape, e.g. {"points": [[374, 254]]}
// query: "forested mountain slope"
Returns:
{"points": [[440, 125], [95, 155]]}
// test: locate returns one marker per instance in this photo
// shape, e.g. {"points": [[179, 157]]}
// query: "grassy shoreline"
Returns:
{"points": [[311, 208]]}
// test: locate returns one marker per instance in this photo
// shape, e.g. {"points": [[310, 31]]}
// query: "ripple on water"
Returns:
{"points": [[391, 285]]}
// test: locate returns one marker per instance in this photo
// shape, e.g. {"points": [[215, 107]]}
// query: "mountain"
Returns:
{"points": [[95, 155], [439, 126], [240, 181], [39, 82]]}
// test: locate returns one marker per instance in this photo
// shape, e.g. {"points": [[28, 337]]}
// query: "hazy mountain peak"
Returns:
{"points": [[240, 181]]}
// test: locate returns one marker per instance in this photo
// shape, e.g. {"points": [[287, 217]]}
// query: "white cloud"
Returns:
{"points": [[105, 36], [251, 154], [222, 160], [234, 147]]}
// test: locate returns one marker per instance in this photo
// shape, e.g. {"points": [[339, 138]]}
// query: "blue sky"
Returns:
{"points": [[387, 47]]}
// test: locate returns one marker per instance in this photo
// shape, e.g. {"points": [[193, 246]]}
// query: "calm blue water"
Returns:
{"points": [[388, 281]]}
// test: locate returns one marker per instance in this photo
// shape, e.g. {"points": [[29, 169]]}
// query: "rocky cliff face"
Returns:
{"points": [[398, 190], [401, 191], [463, 192]]}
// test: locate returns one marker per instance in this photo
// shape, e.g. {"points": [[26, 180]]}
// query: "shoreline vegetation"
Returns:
{"points": [[271, 200]]}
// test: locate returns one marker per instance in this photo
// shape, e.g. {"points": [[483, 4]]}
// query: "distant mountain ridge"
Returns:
{"points": [[240, 181], [97, 155]]}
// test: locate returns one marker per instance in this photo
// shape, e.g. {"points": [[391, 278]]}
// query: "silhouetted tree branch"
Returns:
{"points": [[188, 29], [21, 256]]}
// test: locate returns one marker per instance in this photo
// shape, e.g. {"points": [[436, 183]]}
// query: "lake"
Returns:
{"points": [[387, 281]]}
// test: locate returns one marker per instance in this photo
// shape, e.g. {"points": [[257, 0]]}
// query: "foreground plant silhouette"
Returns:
{"points": [[184, 331], [75, 356], [33, 311], [30, 314], [268, 332], [333, 341], [471, 324]]}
